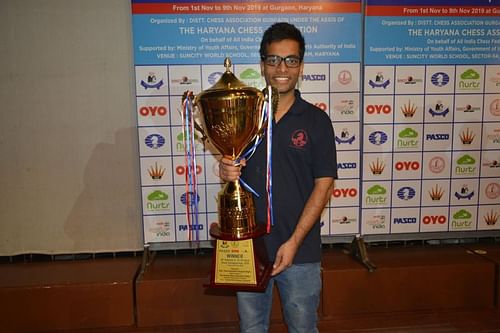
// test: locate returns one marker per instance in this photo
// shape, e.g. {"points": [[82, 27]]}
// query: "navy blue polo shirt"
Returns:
{"points": [[303, 149]]}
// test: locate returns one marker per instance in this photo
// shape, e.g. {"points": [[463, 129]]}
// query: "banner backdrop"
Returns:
{"points": [[431, 122], [389, 147]]}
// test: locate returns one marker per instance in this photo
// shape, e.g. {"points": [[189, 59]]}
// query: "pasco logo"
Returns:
{"points": [[434, 219], [346, 166], [464, 193], [461, 219], [406, 193], [437, 164], [314, 77], [408, 138], [345, 192], [466, 166], [379, 81], [379, 109], [345, 137], [190, 227], [155, 141], [158, 201], [467, 136], [404, 220], [147, 111], [344, 77], [377, 138], [377, 167], [407, 165], [156, 172], [408, 110], [376, 195], [151, 82], [491, 217], [436, 193], [439, 110], [469, 80], [440, 79], [214, 77], [437, 137]]}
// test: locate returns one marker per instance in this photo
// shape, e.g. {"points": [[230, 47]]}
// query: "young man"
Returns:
{"points": [[304, 168]]}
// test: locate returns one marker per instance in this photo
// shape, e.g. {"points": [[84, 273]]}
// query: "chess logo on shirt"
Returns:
{"points": [[299, 139]]}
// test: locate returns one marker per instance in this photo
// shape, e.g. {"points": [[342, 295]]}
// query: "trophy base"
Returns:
{"points": [[240, 265], [217, 233]]}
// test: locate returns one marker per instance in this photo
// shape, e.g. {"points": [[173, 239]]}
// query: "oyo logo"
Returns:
{"points": [[407, 165], [378, 109], [153, 111], [434, 219], [182, 169], [344, 192], [321, 105]]}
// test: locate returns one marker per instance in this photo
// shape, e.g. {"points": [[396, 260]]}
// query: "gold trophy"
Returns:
{"points": [[232, 118]]}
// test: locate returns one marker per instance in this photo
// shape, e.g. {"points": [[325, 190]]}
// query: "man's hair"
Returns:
{"points": [[280, 31]]}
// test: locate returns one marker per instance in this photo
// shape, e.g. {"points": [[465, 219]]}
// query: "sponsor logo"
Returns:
{"points": [[377, 167], [314, 77], [409, 109], [151, 82], [345, 137], [156, 172], [468, 108], [345, 107], [379, 81], [376, 222], [158, 201], [184, 80], [437, 164], [466, 165], [469, 80], [153, 111], [182, 169], [405, 220], [434, 219], [407, 165], [406, 193], [492, 190], [440, 79], [190, 227], [408, 138], [190, 198], [467, 136], [321, 105], [344, 77], [495, 107], [493, 164], [464, 193], [436, 193], [439, 110], [437, 137], [378, 109], [377, 138], [344, 220], [491, 218], [155, 141], [461, 219], [345, 192], [376, 195], [409, 80], [494, 137], [351, 165], [214, 77]]}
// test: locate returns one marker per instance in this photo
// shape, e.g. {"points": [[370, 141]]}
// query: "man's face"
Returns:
{"points": [[282, 77]]}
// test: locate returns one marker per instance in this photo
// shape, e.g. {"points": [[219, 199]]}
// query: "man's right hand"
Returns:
{"points": [[228, 171]]}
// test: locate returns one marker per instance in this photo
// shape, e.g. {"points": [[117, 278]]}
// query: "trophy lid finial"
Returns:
{"points": [[227, 64]]}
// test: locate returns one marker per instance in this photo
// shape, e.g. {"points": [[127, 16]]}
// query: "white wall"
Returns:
{"points": [[69, 177]]}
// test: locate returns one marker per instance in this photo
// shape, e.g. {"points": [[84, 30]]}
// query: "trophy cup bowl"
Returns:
{"points": [[231, 115]]}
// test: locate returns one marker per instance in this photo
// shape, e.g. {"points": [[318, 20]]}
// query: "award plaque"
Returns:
{"points": [[232, 118]]}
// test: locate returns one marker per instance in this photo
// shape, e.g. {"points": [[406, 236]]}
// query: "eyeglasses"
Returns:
{"points": [[275, 60]]}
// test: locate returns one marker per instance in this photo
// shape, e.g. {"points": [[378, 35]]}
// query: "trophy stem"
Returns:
{"points": [[237, 214]]}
